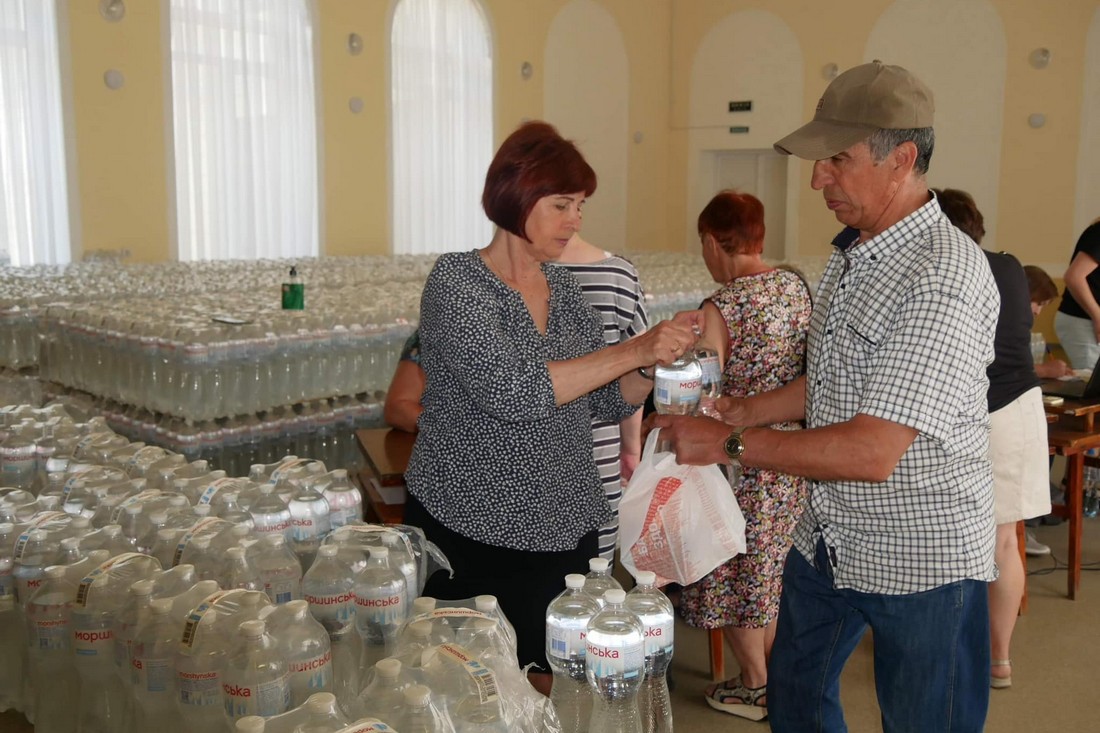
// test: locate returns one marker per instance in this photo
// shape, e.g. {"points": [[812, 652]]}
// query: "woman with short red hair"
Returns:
{"points": [[502, 477], [757, 322]]}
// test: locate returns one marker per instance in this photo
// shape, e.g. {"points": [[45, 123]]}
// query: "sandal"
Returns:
{"points": [[734, 698], [1000, 683]]}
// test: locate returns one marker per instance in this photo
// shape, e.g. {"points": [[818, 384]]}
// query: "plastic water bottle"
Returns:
{"points": [[344, 500], [599, 579], [256, 679], [49, 625], [711, 381], [238, 571], [678, 387], [327, 587], [153, 668], [323, 715], [279, 569], [421, 714], [658, 618], [102, 697], [134, 614], [11, 643], [401, 558], [199, 664], [488, 605], [380, 606], [270, 514], [615, 665], [309, 521], [567, 619], [307, 650], [383, 697]]}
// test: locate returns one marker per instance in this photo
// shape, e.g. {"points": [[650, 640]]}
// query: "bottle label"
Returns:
{"points": [[383, 610], [308, 528], [614, 661], [313, 674], [567, 640], [38, 522], [712, 375], [658, 638], [332, 609], [199, 689], [50, 634], [93, 642], [265, 699], [280, 590], [482, 676], [153, 675], [678, 393]]}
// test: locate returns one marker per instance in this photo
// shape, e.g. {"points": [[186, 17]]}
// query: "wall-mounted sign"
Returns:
{"points": [[741, 106], [739, 129]]}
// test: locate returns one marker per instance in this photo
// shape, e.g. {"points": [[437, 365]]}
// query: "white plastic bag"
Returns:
{"points": [[681, 522]]}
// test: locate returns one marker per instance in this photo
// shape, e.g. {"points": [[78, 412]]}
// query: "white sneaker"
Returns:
{"points": [[1035, 548]]}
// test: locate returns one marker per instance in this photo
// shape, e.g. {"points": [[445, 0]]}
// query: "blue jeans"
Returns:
{"points": [[931, 652], [1077, 339]]}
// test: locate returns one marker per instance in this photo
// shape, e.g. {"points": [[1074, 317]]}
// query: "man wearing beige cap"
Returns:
{"points": [[898, 535]]}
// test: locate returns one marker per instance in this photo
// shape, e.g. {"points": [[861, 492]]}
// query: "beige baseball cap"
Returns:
{"points": [[863, 99]]}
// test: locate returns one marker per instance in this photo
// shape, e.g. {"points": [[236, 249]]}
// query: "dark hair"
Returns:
{"points": [[736, 221], [959, 207], [882, 141], [1040, 287], [533, 162]]}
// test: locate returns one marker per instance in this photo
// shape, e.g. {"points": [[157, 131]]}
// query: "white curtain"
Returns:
{"points": [[442, 106], [244, 116], [34, 209]]}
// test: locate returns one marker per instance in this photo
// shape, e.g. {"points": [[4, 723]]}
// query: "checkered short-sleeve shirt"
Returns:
{"points": [[902, 330]]}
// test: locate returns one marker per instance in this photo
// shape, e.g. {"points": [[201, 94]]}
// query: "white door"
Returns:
{"points": [[763, 173]]}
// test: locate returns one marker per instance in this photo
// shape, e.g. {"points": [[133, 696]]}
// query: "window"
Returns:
{"points": [[441, 90], [34, 207], [244, 117]]}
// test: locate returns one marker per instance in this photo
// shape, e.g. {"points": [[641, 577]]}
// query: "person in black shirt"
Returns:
{"points": [[1077, 321], [1017, 439]]}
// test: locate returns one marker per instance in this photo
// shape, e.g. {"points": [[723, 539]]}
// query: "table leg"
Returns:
{"points": [[1075, 479], [1021, 544]]}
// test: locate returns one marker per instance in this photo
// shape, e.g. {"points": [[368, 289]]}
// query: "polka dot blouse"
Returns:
{"points": [[495, 459]]}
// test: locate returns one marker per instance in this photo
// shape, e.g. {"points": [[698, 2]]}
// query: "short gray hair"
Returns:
{"points": [[883, 141]]}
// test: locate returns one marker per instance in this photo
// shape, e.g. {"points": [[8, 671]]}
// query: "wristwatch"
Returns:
{"points": [[735, 446]]}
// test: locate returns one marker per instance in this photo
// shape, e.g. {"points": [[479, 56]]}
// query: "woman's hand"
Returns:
{"points": [[668, 340]]}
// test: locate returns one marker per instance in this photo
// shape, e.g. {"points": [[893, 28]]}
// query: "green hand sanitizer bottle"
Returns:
{"points": [[294, 292]]}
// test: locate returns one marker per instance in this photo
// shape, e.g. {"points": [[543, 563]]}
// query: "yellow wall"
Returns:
{"points": [[122, 147]]}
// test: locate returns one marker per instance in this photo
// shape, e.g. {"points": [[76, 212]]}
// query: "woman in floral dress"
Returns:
{"points": [[757, 323]]}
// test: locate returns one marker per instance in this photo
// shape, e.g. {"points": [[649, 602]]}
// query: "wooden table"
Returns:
{"points": [[1074, 433], [387, 452]]}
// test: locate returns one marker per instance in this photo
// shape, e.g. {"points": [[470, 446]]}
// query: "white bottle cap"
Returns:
{"points": [[645, 577], [235, 553], [327, 551], [321, 702], [209, 617], [598, 564], [390, 668], [485, 603], [422, 604], [614, 595], [161, 607], [297, 609], [422, 628], [133, 509], [574, 581], [380, 553], [141, 588], [418, 695], [70, 543], [253, 629], [250, 724]]}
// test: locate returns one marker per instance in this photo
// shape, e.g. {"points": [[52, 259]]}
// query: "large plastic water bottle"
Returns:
{"points": [[380, 606], [270, 514], [599, 579], [658, 618], [279, 569], [256, 680], [567, 619], [420, 714], [11, 647], [401, 558], [305, 646], [309, 522], [677, 387], [153, 668], [383, 697], [134, 614], [344, 500], [615, 665], [102, 697], [327, 587], [199, 664], [53, 679], [238, 571]]}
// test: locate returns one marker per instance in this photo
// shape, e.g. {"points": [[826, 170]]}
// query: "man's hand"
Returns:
{"points": [[696, 441]]}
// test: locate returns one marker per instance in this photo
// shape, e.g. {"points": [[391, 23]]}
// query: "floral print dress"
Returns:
{"points": [[767, 315]]}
